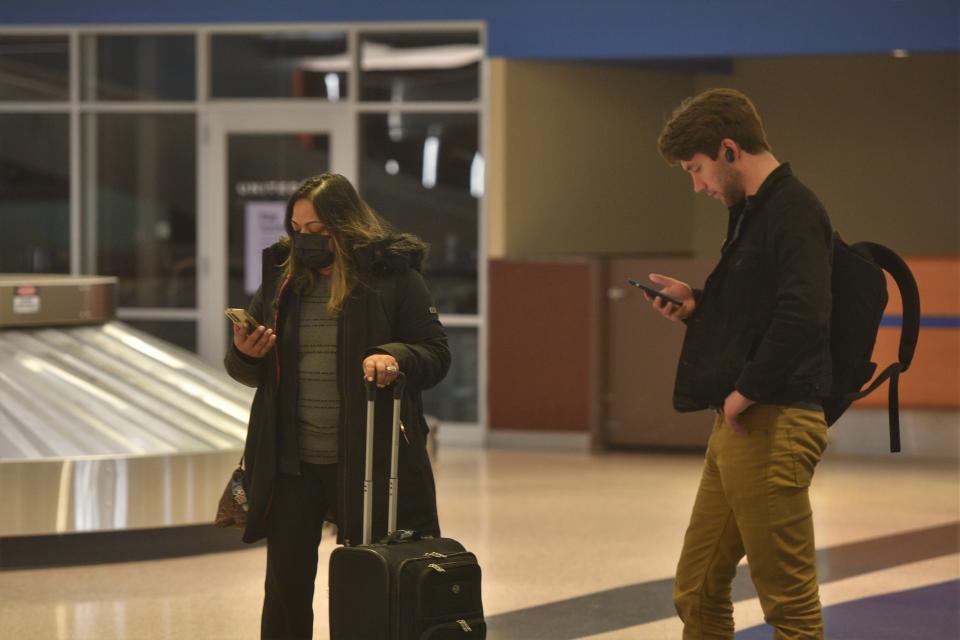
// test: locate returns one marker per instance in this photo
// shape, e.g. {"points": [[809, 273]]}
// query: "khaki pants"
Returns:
{"points": [[753, 500]]}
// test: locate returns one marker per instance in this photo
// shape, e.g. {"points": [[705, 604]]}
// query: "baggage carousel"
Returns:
{"points": [[114, 445]]}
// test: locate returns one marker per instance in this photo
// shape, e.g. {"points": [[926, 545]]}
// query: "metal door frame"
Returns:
{"points": [[214, 125]]}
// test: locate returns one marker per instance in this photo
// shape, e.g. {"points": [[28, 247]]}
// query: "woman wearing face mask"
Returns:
{"points": [[342, 301]]}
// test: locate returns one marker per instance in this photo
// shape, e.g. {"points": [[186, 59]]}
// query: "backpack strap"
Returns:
{"points": [[893, 403], [893, 264]]}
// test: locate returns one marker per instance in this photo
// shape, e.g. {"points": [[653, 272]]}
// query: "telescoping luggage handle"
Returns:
{"points": [[371, 387]]}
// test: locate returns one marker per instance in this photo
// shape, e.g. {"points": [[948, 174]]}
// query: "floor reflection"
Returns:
{"points": [[572, 546]]}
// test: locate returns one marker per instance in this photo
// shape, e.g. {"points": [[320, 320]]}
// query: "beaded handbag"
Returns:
{"points": [[232, 509]]}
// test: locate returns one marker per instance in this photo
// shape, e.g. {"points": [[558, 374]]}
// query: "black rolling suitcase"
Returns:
{"points": [[404, 587]]}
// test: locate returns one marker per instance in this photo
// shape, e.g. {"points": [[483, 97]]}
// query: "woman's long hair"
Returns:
{"points": [[349, 221]]}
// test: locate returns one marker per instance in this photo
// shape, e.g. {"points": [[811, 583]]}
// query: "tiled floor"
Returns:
{"points": [[572, 546]]}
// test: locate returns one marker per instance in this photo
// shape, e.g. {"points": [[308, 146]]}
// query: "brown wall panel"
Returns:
{"points": [[541, 361], [642, 349]]}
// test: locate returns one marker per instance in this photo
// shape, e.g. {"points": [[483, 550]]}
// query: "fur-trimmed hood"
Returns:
{"points": [[394, 252]]}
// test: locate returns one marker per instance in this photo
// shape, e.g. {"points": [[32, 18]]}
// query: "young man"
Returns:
{"points": [[757, 352]]}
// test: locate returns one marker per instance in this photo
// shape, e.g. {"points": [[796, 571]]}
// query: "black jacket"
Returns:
{"points": [[761, 324], [390, 311]]}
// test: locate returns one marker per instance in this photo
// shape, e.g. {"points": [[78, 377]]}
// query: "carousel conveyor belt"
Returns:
{"points": [[104, 428]]}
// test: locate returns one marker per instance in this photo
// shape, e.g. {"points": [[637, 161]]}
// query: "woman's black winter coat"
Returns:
{"points": [[390, 311]]}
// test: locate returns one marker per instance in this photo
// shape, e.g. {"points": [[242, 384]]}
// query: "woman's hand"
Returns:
{"points": [[256, 343], [381, 368]]}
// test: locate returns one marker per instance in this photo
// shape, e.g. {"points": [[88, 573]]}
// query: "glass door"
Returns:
{"points": [[250, 163]]}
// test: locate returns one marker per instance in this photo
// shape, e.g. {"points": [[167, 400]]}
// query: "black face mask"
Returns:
{"points": [[313, 250]]}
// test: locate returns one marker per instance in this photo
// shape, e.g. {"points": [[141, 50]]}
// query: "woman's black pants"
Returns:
{"points": [[294, 525]]}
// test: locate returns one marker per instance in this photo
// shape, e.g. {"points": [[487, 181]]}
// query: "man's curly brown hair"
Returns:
{"points": [[702, 121]]}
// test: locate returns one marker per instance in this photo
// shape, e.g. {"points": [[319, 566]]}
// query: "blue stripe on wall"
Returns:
{"points": [[926, 322], [573, 29]]}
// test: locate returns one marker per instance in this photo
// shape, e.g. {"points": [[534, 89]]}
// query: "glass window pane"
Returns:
{"points": [[140, 206], [34, 68], [279, 65], [420, 66], [455, 399], [262, 171], [424, 174], [179, 332], [35, 193], [139, 67]]}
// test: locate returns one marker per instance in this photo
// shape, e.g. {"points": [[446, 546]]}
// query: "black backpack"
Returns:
{"points": [[859, 291]]}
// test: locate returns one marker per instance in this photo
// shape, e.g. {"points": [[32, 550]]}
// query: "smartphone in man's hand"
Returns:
{"points": [[654, 292]]}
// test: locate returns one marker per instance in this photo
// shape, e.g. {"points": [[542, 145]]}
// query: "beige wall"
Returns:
{"points": [[496, 166], [574, 168], [572, 150], [877, 138]]}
